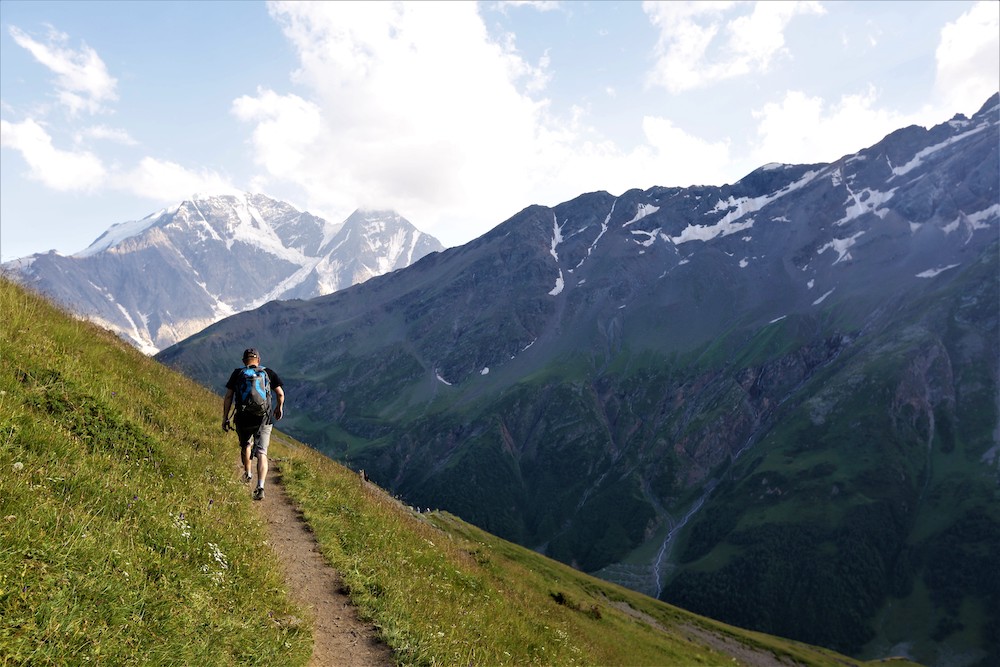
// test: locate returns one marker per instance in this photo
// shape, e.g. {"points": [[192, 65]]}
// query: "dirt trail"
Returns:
{"points": [[340, 638]]}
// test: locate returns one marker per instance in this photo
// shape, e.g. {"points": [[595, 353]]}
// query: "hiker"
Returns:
{"points": [[250, 388]]}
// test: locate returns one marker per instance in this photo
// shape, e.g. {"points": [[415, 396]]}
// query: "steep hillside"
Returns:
{"points": [[124, 537], [666, 386], [445, 592], [126, 540]]}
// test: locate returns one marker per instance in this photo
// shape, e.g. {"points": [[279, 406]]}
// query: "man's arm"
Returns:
{"points": [[227, 404], [280, 394]]}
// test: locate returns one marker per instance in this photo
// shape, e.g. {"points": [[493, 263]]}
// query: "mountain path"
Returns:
{"points": [[340, 637]]}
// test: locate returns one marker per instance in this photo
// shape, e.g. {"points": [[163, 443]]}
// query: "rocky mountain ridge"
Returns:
{"points": [[157, 280], [770, 401]]}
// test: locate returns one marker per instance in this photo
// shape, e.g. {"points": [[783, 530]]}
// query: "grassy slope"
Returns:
{"points": [[124, 536], [125, 539], [444, 592]]}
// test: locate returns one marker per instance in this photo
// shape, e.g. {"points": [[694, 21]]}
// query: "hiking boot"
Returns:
{"points": [[247, 477], [258, 493]]}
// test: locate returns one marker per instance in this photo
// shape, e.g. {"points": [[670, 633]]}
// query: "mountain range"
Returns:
{"points": [[773, 402], [127, 540], [157, 280]]}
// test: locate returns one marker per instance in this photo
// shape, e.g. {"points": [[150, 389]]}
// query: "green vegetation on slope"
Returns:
{"points": [[124, 537], [126, 540], [876, 497], [443, 592]]}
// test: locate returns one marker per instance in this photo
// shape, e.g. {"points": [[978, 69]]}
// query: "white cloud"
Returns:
{"points": [[82, 80], [84, 84], [167, 181], [968, 59], [802, 129], [405, 105], [105, 133], [683, 159], [702, 43], [540, 5], [669, 157], [82, 171], [287, 127], [65, 171]]}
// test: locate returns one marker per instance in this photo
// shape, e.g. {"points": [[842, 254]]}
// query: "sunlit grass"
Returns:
{"points": [[124, 538]]}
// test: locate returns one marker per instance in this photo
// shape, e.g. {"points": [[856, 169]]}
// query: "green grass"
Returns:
{"points": [[125, 539], [443, 592]]}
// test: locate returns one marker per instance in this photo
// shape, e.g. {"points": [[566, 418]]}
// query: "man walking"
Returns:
{"points": [[250, 387]]}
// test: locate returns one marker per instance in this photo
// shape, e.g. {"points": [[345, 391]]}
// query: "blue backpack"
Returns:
{"points": [[253, 393]]}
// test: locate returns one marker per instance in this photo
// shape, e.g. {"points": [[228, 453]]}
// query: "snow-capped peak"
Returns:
{"points": [[211, 256]]}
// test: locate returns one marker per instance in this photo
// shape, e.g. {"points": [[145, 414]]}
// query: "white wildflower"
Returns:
{"points": [[181, 525], [219, 557]]}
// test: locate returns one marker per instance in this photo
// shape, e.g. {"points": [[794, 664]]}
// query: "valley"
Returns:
{"points": [[576, 379]]}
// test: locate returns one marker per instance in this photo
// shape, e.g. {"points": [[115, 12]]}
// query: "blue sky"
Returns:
{"points": [[455, 114]]}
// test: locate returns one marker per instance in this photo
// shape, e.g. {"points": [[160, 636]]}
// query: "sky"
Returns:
{"points": [[457, 115]]}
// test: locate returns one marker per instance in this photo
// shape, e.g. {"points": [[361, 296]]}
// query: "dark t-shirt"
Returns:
{"points": [[233, 384]]}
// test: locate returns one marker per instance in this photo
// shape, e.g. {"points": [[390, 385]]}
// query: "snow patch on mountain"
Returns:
{"points": [[930, 273], [650, 236], [604, 229], [389, 250], [560, 283], [866, 201], [119, 232], [918, 159], [642, 212], [973, 221], [724, 227], [737, 209], [411, 249], [557, 238], [978, 219], [842, 247], [253, 231], [823, 298]]}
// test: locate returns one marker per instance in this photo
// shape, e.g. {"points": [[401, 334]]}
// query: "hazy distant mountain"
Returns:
{"points": [[169, 275], [774, 402]]}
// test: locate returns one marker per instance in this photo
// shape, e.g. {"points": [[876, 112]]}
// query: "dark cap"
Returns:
{"points": [[250, 352]]}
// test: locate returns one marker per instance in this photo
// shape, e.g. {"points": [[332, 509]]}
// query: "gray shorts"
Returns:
{"points": [[258, 437]]}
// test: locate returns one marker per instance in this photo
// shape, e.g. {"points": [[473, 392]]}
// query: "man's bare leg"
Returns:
{"points": [[261, 469], [245, 456], [261, 440]]}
